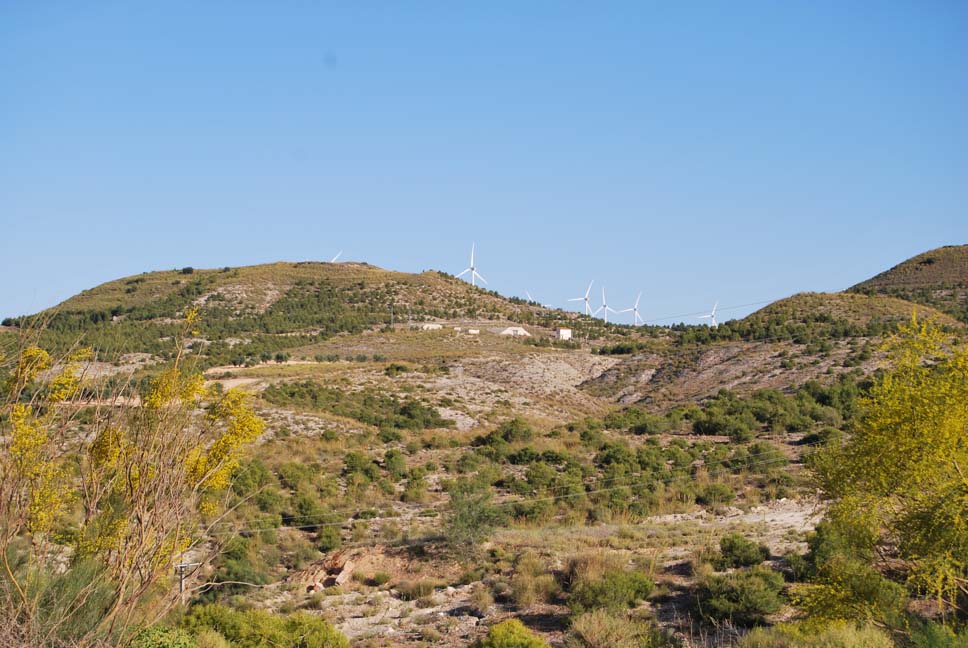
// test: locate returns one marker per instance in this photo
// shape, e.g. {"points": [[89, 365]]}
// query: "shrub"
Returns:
{"points": [[472, 516], [159, 637], [329, 538], [211, 639], [258, 628], [413, 590], [737, 551], [511, 634], [532, 582], [616, 591], [716, 493], [742, 597], [605, 629], [835, 635], [378, 579]]}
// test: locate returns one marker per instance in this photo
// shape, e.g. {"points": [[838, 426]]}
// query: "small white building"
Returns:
{"points": [[431, 327], [563, 334], [473, 331], [515, 331]]}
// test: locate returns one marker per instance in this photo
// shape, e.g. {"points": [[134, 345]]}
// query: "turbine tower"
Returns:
{"points": [[588, 307], [712, 315], [605, 307], [472, 269], [635, 310]]}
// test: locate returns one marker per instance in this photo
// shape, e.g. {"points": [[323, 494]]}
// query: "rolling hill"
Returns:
{"points": [[937, 278]]}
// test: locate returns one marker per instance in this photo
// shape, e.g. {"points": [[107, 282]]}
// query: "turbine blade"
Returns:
{"points": [[472, 254], [478, 275], [589, 291], [463, 273], [333, 260], [577, 299]]}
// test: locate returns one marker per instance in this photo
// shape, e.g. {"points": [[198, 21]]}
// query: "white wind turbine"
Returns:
{"points": [[338, 254], [473, 270], [588, 307], [712, 315], [605, 307], [635, 311]]}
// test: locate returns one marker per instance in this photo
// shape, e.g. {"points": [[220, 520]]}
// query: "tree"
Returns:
{"points": [[899, 485], [472, 516], [122, 487]]}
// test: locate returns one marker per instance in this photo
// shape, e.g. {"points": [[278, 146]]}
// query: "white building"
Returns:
{"points": [[563, 334], [431, 327], [515, 331], [473, 331]]}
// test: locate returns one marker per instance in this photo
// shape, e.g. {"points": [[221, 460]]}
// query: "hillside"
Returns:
{"points": [[646, 445], [251, 313], [937, 278]]}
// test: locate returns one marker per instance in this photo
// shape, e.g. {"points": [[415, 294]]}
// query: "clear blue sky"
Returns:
{"points": [[696, 151]]}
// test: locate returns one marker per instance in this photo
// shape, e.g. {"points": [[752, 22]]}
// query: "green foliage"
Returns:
{"points": [[471, 516], [417, 589], [328, 538], [612, 590], [742, 597], [833, 635], [367, 406], [716, 493], [935, 635], [899, 481], [511, 634], [161, 637], [607, 629], [259, 628], [738, 551]]}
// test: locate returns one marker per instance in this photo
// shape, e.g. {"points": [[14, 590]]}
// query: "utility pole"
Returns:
{"points": [[180, 568]]}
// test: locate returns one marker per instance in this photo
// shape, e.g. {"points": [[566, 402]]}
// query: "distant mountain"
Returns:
{"points": [[937, 278]]}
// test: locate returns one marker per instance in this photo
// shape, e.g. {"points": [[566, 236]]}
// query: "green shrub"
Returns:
{"points": [[160, 637], [329, 538], [606, 629], [471, 516], [413, 590], [935, 635], [737, 551], [511, 634], [211, 639], [614, 590], [835, 635], [743, 597], [259, 628], [716, 493]]}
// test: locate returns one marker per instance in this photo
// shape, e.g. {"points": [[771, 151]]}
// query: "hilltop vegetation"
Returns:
{"points": [[937, 278]]}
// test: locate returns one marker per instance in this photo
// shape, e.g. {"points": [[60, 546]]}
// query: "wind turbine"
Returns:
{"points": [[473, 270], [712, 316], [635, 311], [605, 307], [338, 254], [588, 308]]}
